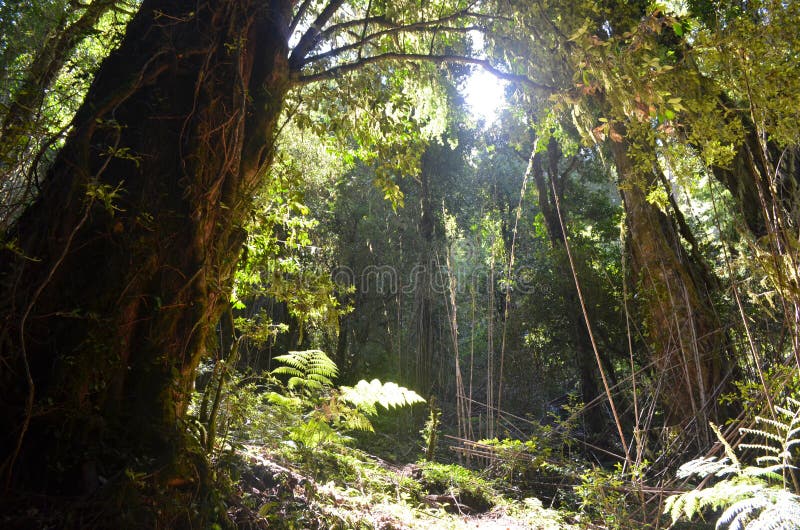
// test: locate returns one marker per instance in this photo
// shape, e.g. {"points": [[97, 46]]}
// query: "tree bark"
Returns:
{"points": [[689, 345], [123, 265]]}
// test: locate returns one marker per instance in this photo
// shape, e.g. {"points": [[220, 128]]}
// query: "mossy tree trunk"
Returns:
{"points": [[123, 265], [689, 345]]}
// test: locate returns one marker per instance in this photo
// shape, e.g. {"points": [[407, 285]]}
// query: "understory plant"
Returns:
{"points": [[325, 412], [753, 497], [297, 405]]}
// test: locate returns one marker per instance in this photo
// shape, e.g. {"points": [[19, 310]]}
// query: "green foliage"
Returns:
{"points": [[430, 432], [366, 395], [307, 370], [519, 458], [606, 495], [326, 410], [753, 497], [288, 251], [451, 479]]}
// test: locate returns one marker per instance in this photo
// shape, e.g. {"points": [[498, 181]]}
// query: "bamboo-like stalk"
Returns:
{"points": [[589, 329], [490, 416], [510, 269]]}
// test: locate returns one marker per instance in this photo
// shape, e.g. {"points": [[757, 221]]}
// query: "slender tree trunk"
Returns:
{"points": [[124, 263], [584, 353], [19, 117]]}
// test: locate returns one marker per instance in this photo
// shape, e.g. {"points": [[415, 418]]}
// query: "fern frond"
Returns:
{"points": [[765, 434], [762, 447], [778, 425], [364, 395], [728, 449], [767, 473], [719, 495], [703, 467], [319, 378], [284, 401], [778, 517], [739, 513], [310, 361], [786, 412], [287, 370], [313, 433], [290, 360], [309, 369], [357, 422]]}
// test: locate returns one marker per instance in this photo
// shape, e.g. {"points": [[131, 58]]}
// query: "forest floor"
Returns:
{"points": [[376, 495]]}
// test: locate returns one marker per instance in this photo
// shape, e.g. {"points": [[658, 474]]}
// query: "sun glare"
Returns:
{"points": [[485, 95]]}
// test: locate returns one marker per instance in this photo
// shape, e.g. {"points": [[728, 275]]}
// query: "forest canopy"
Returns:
{"points": [[231, 223]]}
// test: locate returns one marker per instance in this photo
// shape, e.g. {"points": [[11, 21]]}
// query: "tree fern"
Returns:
{"points": [[753, 497]]}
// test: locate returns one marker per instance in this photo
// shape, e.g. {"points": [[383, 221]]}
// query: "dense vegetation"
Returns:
{"points": [[262, 265]]}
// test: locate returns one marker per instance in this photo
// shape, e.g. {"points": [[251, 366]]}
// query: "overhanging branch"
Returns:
{"points": [[312, 36], [337, 71], [368, 38], [382, 21], [301, 12]]}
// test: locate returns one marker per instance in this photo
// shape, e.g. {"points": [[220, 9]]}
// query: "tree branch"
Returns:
{"points": [[311, 37], [337, 51], [394, 28], [364, 30], [381, 20], [301, 12], [342, 69]]}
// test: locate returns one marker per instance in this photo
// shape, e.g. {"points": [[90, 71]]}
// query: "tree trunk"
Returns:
{"points": [[689, 345], [123, 265], [584, 353], [21, 118]]}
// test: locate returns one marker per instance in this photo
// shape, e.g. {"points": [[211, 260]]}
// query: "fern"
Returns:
{"points": [[365, 396], [704, 467], [325, 409], [748, 495], [308, 369]]}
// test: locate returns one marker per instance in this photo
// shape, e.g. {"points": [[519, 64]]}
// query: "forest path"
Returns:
{"points": [[280, 493]]}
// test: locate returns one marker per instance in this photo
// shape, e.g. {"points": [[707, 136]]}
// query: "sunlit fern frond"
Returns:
{"points": [[778, 438], [737, 515], [768, 509], [357, 422], [704, 467], [366, 395], [749, 496], [720, 495], [729, 452], [309, 369], [763, 448]]}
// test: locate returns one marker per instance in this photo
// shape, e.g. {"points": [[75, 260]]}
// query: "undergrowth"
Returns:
{"points": [[285, 451], [751, 497]]}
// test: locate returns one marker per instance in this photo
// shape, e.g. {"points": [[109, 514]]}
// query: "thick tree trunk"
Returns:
{"points": [[689, 345], [124, 263]]}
